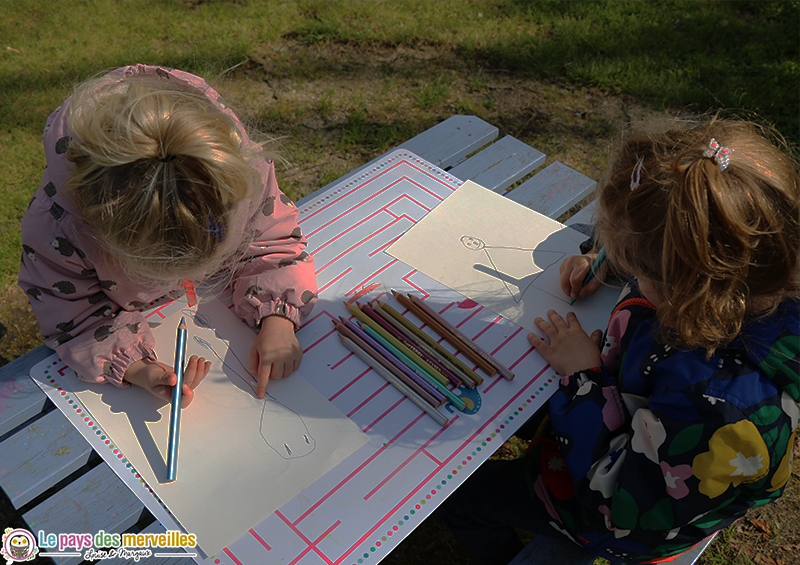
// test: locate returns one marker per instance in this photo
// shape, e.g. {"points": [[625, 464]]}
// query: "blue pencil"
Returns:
{"points": [[598, 261], [175, 411]]}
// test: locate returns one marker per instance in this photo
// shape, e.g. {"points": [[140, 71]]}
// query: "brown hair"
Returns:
{"points": [[159, 171], [718, 245]]}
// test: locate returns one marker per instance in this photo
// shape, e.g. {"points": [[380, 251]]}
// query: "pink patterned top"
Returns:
{"points": [[88, 309]]}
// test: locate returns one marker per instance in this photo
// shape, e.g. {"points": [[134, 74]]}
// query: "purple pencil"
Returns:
{"points": [[412, 383], [410, 344], [394, 360]]}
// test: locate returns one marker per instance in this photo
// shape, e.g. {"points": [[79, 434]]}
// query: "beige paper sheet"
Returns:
{"points": [[240, 458], [502, 255]]}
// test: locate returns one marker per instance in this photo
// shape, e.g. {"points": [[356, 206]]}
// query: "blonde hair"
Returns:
{"points": [[716, 244], [159, 172]]}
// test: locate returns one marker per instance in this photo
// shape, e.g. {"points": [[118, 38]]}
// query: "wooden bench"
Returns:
{"points": [[52, 476]]}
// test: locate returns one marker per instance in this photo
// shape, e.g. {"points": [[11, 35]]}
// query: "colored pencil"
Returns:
{"points": [[453, 363], [376, 315], [399, 385], [386, 363], [454, 400], [175, 410], [408, 376], [459, 344], [598, 261], [427, 352], [355, 310], [487, 357], [465, 372]]}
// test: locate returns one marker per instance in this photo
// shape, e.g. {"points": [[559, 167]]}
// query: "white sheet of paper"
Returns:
{"points": [[240, 458], [502, 255]]}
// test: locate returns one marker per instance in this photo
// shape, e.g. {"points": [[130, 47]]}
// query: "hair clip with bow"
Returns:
{"points": [[719, 153]]}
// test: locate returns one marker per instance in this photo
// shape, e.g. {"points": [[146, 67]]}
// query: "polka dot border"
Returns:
{"points": [[102, 437], [442, 484], [403, 156]]}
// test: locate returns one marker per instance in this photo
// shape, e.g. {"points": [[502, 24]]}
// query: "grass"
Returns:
{"points": [[338, 83], [683, 54]]}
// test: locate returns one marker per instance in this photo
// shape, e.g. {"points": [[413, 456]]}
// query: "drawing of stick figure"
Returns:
{"points": [[516, 267], [282, 428]]}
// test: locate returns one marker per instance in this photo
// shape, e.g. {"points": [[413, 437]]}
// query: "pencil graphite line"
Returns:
{"points": [[487, 357], [465, 372], [399, 385]]}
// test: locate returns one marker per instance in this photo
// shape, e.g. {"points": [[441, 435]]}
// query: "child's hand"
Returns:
{"points": [[276, 353], [574, 269], [160, 379], [570, 349]]}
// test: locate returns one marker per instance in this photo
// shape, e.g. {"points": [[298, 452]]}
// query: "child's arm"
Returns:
{"points": [[92, 334], [276, 280]]}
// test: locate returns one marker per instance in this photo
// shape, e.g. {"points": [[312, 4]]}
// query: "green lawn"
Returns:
{"points": [[691, 55]]}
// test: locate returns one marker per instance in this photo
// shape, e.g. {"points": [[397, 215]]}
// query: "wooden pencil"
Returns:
{"points": [[397, 362], [487, 357], [399, 385], [457, 365], [410, 343], [355, 310], [454, 400], [454, 340], [347, 332]]}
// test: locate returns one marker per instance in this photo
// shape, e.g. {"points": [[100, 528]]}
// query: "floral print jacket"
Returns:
{"points": [[659, 448], [89, 310]]}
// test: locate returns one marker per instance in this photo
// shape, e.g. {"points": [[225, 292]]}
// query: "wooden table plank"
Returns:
{"points": [[444, 145], [500, 165], [96, 501], [20, 397], [449, 142], [39, 455], [553, 191]]}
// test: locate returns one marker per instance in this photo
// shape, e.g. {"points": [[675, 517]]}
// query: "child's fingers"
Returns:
{"points": [[536, 341], [543, 325], [557, 321], [572, 321], [166, 378], [264, 374], [196, 370], [597, 337]]}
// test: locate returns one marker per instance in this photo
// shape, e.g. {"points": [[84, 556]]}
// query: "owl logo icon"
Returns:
{"points": [[18, 545]]}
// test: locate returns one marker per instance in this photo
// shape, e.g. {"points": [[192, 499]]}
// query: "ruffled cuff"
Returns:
{"points": [[114, 370], [278, 308]]}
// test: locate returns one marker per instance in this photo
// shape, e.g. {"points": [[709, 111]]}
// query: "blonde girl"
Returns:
{"points": [[153, 189]]}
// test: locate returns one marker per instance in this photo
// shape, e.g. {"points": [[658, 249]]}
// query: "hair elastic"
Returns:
{"points": [[719, 153], [217, 230], [636, 174]]}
